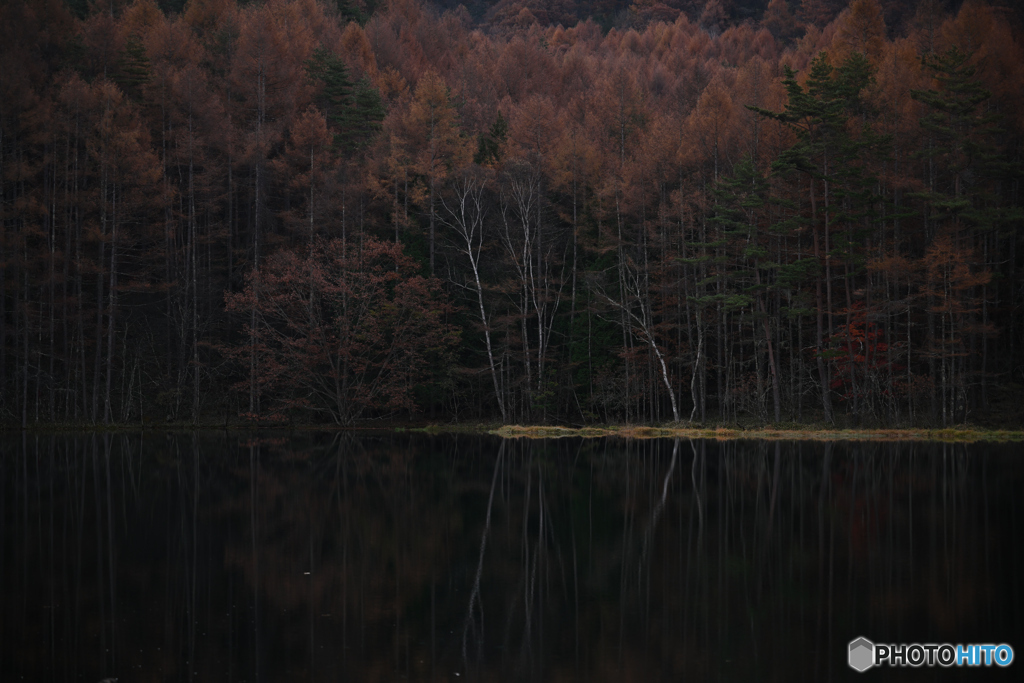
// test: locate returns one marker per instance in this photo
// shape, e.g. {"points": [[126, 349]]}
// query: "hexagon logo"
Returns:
{"points": [[861, 654]]}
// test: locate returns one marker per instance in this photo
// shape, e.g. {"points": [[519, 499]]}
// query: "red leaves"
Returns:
{"points": [[860, 348]]}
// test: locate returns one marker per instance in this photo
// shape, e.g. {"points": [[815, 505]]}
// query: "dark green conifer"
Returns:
{"points": [[336, 96], [133, 71], [354, 112], [363, 118], [961, 149], [489, 144]]}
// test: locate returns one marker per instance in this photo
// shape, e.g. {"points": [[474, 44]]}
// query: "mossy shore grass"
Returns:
{"points": [[960, 435]]}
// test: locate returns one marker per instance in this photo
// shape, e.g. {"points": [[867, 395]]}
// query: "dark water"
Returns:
{"points": [[326, 557]]}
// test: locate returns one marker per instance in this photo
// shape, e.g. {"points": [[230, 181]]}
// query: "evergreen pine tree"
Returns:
{"points": [[336, 97], [354, 111], [961, 153], [133, 69], [363, 118], [835, 160], [489, 143]]}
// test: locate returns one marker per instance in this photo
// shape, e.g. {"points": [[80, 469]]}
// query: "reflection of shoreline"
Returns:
{"points": [[332, 557], [722, 433]]}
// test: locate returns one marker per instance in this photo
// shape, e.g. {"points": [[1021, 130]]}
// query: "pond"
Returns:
{"points": [[401, 556]]}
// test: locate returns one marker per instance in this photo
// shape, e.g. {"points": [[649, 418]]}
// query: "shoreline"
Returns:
{"points": [[719, 433], [949, 435]]}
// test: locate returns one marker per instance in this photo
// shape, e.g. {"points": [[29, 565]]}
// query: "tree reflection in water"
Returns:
{"points": [[329, 557]]}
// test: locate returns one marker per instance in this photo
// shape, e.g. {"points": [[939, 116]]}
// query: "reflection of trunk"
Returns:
{"points": [[474, 596], [104, 643], [254, 459], [79, 560], [771, 505], [824, 589], [530, 565], [110, 554], [658, 508], [575, 564], [191, 573], [696, 489]]}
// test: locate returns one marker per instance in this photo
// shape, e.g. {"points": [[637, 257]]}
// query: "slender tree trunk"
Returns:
{"points": [[194, 267], [99, 302], [826, 399], [697, 399], [772, 368], [112, 304]]}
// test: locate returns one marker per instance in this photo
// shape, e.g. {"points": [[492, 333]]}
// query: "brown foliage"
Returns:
{"points": [[343, 331]]}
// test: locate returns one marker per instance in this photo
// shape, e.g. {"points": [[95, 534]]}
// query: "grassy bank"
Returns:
{"points": [[961, 435]]}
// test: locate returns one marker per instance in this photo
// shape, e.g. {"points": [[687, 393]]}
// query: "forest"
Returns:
{"points": [[529, 211]]}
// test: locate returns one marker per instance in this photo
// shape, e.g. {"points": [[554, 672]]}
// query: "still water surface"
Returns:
{"points": [[332, 557]]}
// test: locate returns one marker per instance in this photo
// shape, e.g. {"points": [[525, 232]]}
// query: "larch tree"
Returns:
{"points": [[437, 148]]}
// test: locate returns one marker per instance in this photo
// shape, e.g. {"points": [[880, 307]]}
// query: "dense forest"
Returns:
{"points": [[730, 211]]}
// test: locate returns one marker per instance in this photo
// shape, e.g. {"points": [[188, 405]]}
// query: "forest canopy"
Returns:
{"points": [[720, 211]]}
